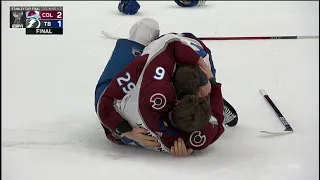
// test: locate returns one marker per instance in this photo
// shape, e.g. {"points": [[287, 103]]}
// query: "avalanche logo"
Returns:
{"points": [[196, 139], [33, 19], [33, 15], [158, 100]]}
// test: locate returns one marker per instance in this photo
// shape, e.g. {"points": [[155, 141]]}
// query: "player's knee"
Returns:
{"points": [[186, 81], [191, 113]]}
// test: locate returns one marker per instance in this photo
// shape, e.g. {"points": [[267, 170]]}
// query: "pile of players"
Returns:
{"points": [[160, 92]]}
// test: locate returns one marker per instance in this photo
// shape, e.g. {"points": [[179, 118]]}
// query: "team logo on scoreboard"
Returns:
{"points": [[33, 19], [33, 14]]}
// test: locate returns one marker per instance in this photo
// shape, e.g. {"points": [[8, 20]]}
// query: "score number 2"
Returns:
{"points": [[59, 15]]}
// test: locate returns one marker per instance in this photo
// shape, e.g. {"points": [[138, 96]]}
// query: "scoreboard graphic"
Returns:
{"points": [[37, 20]]}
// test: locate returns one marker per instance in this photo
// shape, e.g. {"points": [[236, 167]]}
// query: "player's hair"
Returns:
{"points": [[192, 113], [186, 81]]}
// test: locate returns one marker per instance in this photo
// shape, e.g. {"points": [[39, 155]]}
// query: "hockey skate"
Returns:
{"points": [[230, 114]]}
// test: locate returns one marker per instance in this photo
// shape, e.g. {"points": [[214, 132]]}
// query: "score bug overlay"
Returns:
{"points": [[38, 20]]}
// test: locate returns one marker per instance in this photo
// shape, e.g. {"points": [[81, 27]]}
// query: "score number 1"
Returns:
{"points": [[52, 24], [60, 24]]}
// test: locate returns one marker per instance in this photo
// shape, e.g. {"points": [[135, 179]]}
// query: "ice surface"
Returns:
{"points": [[50, 130]]}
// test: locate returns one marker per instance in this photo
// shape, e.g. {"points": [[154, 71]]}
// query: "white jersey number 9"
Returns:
{"points": [[159, 73]]}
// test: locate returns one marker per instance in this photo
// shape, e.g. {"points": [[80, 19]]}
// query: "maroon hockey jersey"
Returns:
{"points": [[143, 94]]}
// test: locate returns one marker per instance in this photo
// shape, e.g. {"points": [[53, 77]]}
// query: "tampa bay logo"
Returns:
{"points": [[33, 19]]}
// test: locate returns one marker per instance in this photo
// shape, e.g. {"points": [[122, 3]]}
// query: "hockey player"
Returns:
{"points": [[127, 82], [160, 70], [146, 105], [141, 34]]}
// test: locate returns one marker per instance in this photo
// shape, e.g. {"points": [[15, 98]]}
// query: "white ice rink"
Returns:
{"points": [[50, 130]]}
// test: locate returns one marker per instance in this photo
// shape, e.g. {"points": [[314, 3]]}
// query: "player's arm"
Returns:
{"points": [[197, 140], [201, 49], [116, 90], [216, 100], [176, 49], [109, 117], [190, 35], [213, 130], [183, 54]]}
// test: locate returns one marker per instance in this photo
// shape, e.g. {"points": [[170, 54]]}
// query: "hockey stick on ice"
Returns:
{"points": [[108, 35], [237, 38], [280, 116]]}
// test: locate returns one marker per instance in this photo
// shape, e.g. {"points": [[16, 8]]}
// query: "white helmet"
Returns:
{"points": [[144, 31]]}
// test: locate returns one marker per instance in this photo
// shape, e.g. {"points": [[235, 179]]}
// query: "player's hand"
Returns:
{"points": [[205, 68], [205, 90], [179, 149], [139, 135]]}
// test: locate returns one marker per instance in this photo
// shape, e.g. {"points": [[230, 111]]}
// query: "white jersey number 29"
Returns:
{"points": [[127, 86]]}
